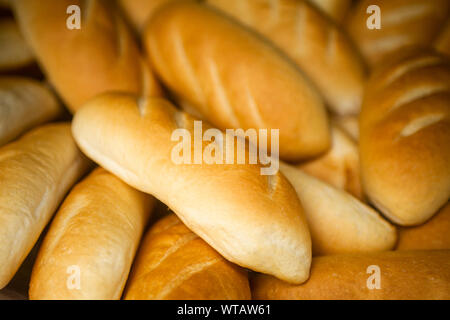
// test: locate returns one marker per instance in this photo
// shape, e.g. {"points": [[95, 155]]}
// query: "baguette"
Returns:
{"points": [[339, 166], [442, 43], [432, 235], [336, 9], [403, 23], [405, 128], [253, 220], [106, 219], [338, 222], [405, 275], [175, 264], [24, 104], [81, 63], [14, 53], [234, 78], [36, 171], [316, 44]]}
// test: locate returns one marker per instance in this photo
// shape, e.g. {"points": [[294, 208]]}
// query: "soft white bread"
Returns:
{"points": [[338, 222], [403, 23], [36, 171], [339, 166], [432, 235], [24, 103], [336, 9], [100, 56], [15, 52], [404, 275], [350, 124], [317, 45], [253, 220], [442, 43], [405, 134], [235, 78], [173, 263], [97, 230]]}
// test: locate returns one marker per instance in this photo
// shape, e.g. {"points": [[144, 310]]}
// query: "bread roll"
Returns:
{"points": [[336, 9], [253, 220], [36, 171], [97, 229], [338, 222], [350, 125], [405, 134], [442, 43], [317, 45], [432, 235], [234, 78], [339, 166], [175, 264], [24, 103], [14, 53], [403, 23], [81, 63], [404, 275]]}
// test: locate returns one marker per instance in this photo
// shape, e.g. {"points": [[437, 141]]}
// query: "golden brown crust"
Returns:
{"points": [[317, 45], [405, 275], [253, 220], [24, 104], [235, 78], [432, 235], [403, 23], [405, 124], [36, 171], [175, 264], [101, 56], [442, 43], [338, 222], [336, 9], [15, 52]]}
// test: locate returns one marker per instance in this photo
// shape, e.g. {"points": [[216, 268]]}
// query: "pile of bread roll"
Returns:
{"points": [[87, 179]]}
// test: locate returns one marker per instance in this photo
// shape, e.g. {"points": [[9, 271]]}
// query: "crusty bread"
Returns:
{"points": [[404, 275], [317, 45], [350, 125], [14, 53], [442, 43], [403, 23], [339, 166], [97, 229], [338, 222], [336, 9], [405, 134], [36, 171], [235, 78], [253, 220], [173, 263], [80, 63], [432, 235], [24, 103]]}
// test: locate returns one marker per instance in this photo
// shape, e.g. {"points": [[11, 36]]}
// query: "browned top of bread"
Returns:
{"points": [[173, 263], [404, 275], [403, 23], [405, 128], [80, 63], [235, 78]]}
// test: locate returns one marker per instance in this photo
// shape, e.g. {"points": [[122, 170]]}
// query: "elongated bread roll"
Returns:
{"points": [[94, 235], [14, 53], [403, 23], [405, 134], [173, 263], [315, 43], [350, 125], [443, 41], [338, 222], [404, 275], [253, 220], [100, 56], [24, 103], [234, 78], [336, 9], [339, 166], [432, 235], [36, 171]]}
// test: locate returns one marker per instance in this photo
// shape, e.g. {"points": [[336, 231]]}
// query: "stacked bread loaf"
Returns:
{"points": [[238, 149]]}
